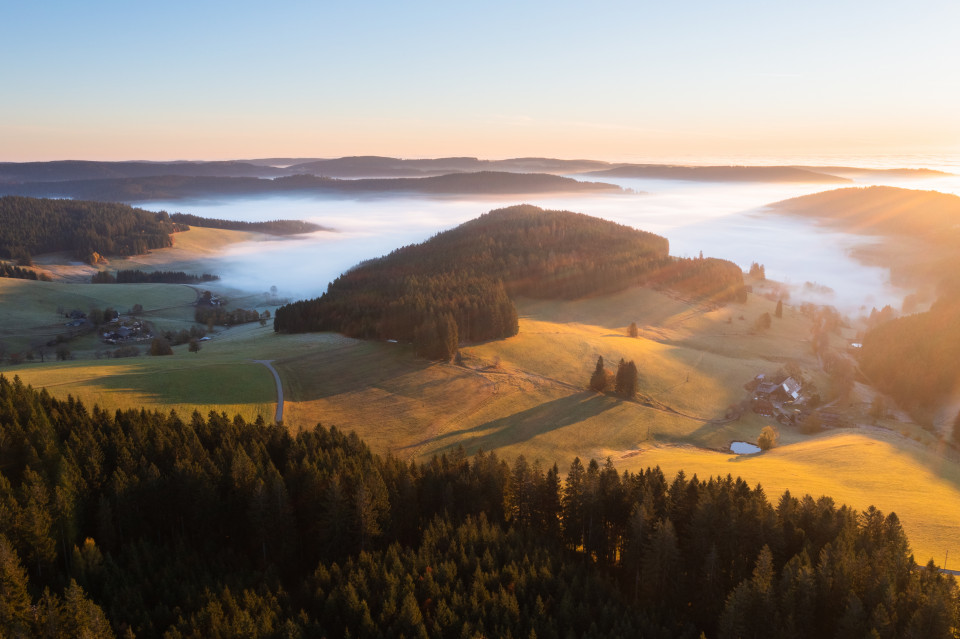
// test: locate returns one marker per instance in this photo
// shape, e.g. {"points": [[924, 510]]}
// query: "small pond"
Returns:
{"points": [[744, 448]]}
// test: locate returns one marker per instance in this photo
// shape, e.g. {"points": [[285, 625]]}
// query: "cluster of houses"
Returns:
{"points": [[785, 400], [209, 299], [122, 333], [77, 318]]}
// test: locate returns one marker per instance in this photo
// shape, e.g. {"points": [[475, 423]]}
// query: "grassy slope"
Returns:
{"points": [[524, 395], [854, 467], [28, 310], [527, 393], [193, 251], [221, 377]]}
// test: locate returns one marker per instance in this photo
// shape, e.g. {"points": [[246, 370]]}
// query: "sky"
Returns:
{"points": [[622, 81]]}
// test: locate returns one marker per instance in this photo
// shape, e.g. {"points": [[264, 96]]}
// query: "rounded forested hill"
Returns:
{"points": [[29, 226], [458, 284]]}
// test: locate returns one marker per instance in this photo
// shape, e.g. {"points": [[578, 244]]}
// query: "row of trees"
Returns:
{"points": [[624, 382], [153, 277], [471, 272], [212, 526], [220, 316], [20, 273], [271, 227]]}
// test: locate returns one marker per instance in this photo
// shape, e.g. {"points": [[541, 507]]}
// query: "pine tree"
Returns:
{"points": [[632, 379], [572, 504], [626, 379], [620, 378], [448, 339], [598, 381], [779, 312], [633, 331], [15, 613]]}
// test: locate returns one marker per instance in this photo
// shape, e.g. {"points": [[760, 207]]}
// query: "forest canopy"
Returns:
{"points": [[30, 226], [467, 275], [136, 523], [271, 227]]}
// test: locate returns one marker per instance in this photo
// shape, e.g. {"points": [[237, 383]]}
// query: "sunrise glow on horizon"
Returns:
{"points": [[620, 81]]}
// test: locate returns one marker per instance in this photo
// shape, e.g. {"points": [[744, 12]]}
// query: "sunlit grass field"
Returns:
{"points": [[524, 395], [855, 468]]}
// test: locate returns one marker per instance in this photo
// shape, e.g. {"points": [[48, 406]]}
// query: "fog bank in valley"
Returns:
{"points": [[722, 220]]}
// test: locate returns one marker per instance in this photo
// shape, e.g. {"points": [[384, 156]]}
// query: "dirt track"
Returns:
{"points": [[276, 376]]}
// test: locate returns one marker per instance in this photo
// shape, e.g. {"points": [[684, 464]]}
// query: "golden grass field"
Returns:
{"points": [[523, 395], [853, 467]]}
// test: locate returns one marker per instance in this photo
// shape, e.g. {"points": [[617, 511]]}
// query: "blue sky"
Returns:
{"points": [[614, 80]]}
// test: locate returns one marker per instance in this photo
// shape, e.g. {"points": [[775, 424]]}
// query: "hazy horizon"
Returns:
{"points": [[947, 160]]}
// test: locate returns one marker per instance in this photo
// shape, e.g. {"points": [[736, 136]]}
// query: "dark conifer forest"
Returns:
{"points": [[134, 276], [466, 277], [30, 226], [20, 273], [916, 358], [271, 227], [155, 525]]}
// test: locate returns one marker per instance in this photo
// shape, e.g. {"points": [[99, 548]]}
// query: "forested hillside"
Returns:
{"points": [[458, 284], [719, 173], [916, 358], [133, 276], [20, 273], [211, 527], [12, 172], [271, 227], [30, 226], [882, 210], [179, 186]]}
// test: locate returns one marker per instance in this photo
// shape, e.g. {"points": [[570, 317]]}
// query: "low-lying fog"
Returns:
{"points": [[726, 220]]}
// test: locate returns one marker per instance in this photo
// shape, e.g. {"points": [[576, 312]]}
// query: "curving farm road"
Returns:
{"points": [[276, 376]]}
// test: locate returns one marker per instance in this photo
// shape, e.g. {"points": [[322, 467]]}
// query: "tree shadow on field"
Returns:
{"points": [[351, 368], [525, 425]]}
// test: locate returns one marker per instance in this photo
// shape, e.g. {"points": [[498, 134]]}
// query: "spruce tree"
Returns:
{"points": [[779, 312], [626, 380], [630, 386], [598, 381], [633, 330], [620, 379]]}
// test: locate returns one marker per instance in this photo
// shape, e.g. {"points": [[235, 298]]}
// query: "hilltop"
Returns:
{"points": [[65, 170], [376, 166], [458, 282], [719, 173], [89, 230], [880, 210]]}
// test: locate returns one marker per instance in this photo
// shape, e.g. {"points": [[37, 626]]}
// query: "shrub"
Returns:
{"points": [[769, 437], [160, 346]]}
